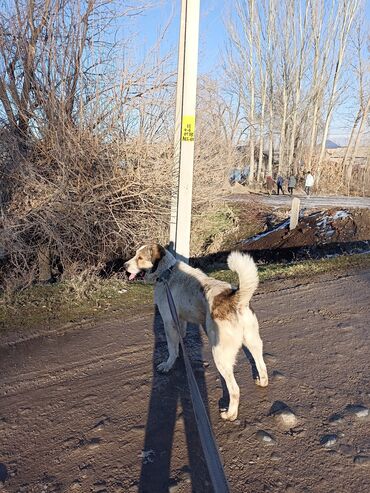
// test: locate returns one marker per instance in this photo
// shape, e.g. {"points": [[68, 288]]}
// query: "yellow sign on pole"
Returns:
{"points": [[188, 128]]}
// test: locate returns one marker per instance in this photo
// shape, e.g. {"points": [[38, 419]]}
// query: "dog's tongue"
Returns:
{"points": [[132, 277]]}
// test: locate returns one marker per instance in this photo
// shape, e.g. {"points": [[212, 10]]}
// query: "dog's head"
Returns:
{"points": [[146, 260]]}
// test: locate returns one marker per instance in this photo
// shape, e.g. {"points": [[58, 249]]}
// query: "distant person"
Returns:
{"points": [[279, 184], [292, 183], [270, 184], [310, 180]]}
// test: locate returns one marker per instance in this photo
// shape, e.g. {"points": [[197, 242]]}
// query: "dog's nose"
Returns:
{"points": [[125, 265]]}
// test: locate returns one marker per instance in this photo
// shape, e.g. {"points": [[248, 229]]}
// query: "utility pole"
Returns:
{"points": [[181, 198]]}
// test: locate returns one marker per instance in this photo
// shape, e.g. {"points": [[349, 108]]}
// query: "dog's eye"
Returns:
{"points": [[140, 258]]}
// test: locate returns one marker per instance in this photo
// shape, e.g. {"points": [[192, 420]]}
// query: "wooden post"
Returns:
{"points": [[294, 213]]}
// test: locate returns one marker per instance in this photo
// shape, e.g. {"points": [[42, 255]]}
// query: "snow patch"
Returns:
{"points": [[340, 215], [266, 233]]}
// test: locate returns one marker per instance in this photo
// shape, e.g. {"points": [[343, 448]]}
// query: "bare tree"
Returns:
{"points": [[300, 55], [362, 70], [344, 20], [85, 135], [240, 69], [323, 32], [271, 36], [263, 82]]}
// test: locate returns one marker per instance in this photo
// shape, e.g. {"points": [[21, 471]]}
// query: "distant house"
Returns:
{"points": [[337, 154]]}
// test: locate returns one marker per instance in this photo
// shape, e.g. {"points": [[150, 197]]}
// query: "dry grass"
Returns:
{"points": [[82, 205]]}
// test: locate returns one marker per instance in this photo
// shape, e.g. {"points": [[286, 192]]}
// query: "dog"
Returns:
{"points": [[223, 311]]}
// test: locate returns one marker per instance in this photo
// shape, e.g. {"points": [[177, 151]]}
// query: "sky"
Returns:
{"points": [[212, 40], [212, 33]]}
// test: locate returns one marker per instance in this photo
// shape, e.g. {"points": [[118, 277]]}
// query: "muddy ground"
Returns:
{"points": [[84, 411]]}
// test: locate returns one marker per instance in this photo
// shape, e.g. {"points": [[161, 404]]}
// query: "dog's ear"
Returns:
{"points": [[157, 253]]}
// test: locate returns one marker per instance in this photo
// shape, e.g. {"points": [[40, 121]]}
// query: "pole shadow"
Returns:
{"points": [[169, 396]]}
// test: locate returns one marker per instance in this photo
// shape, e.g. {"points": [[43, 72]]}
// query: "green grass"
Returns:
{"points": [[73, 302]]}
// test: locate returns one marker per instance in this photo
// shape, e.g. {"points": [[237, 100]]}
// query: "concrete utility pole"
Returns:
{"points": [[184, 130]]}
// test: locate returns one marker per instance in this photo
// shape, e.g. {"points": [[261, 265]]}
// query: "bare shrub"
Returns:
{"points": [[85, 200], [84, 154]]}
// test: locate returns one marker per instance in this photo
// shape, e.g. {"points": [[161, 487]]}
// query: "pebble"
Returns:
{"points": [[345, 326], [99, 487], [275, 456], [362, 460], [100, 425], [277, 375], [270, 358], [265, 437], [288, 418], [328, 440], [94, 443], [345, 449], [283, 414], [336, 418], [358, 410], [75, 486]]}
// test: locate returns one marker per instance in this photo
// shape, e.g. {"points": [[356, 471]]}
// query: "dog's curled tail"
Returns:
{"points": [[246, 269]]}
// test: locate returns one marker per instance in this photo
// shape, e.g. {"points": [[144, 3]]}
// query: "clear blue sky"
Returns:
{"points": [[212, 39], [212, 33]]}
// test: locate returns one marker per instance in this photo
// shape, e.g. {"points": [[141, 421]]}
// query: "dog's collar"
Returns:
{"points": [[165, 275]]}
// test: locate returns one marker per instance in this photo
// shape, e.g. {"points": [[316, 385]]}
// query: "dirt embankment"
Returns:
{"points": [[318, 234], [84, 411], [316, 228]]}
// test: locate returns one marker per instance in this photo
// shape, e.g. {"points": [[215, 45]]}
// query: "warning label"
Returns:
{"points": [[188, 128]]}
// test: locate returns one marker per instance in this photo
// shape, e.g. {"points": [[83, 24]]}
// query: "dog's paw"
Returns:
{"points": [[164, 367], [229, 415], [263, 381]]}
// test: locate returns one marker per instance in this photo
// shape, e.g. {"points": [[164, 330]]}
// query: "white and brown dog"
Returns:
{"points": [[222, 310]]}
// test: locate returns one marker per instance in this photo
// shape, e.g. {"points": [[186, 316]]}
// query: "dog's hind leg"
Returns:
{"points": [[224, 359], [253, 341], [173, 340]]}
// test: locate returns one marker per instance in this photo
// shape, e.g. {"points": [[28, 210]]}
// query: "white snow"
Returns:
{"points": [[340, 215], [262, 235]]}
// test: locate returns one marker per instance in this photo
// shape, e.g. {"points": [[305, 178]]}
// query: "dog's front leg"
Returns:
{"points": [[172, 337]]}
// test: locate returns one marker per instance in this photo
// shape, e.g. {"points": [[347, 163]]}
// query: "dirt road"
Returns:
{"points": [[311, 202], [83, 411]]}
